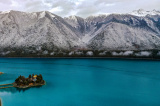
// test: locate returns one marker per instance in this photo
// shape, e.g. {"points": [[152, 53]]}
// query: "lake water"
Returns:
{"points": [[83, 82]]}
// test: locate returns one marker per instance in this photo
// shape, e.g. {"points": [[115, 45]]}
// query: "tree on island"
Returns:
{"points": [[30, 76], [34, 79], [39, 78]]}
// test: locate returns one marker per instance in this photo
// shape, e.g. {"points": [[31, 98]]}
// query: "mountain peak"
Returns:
{"points": [[142, 12], [73, 17], [4, 12]]}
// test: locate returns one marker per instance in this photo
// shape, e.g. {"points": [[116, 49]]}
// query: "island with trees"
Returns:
{"points": [[31, 81]]}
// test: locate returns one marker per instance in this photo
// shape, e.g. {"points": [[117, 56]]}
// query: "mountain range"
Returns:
{"points": [[45, 31]]}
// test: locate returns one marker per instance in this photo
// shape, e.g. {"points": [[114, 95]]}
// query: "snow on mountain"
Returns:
{"points": [[20, 29], [44, 30], [77, 23], [117, 36], [142, 12], [122, 31]]}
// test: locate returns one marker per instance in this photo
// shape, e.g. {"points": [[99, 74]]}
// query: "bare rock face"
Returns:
{"points": [[44, 30]]}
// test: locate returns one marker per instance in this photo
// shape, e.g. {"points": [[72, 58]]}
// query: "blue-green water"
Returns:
{"points": [[83, 82]]}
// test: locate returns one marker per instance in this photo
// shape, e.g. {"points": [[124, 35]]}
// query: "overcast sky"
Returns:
{"points": [[81, 8]]}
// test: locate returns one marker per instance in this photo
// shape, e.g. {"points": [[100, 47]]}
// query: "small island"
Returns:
{"points": [[31, 81], [1, 73]]}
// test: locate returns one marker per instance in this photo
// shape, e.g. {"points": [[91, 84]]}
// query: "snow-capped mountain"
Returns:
{"points": [[20, 29], [122, 32], [142, 12], [47, 31], [135, 32]]}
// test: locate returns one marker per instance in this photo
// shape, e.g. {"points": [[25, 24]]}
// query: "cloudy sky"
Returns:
{"points": [[81, 8]]}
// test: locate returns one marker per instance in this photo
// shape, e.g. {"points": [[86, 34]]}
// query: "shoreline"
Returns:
{"points": [[28, 86], [121, 58]]}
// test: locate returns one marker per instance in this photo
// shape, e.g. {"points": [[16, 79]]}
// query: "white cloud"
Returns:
{"points": [[56, 9], [14, 4], [81, 8]]}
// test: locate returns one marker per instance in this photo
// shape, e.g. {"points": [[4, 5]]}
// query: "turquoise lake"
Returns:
{"points": [[83, 82]]}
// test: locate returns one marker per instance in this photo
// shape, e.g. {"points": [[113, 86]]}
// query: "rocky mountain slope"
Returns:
{"points": [[20, 29], [121, 31], [126, 32], [139, 30]]}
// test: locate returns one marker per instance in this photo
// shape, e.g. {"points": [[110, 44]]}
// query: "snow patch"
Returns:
{"points": [[117, 54], [52, 53], [45, 52], [143, 53], [39, 48], [102, 53], [89, 53], [127, 53], [79, 53], [71, 53]]}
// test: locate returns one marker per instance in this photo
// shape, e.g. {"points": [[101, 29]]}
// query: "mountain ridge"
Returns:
{"points": [[41, 31]]}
